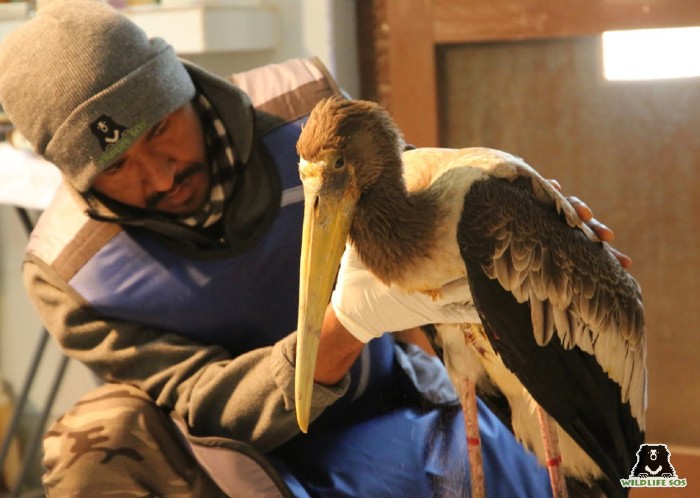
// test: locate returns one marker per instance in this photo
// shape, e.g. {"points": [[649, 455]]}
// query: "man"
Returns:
{"points": [[168, 264]]}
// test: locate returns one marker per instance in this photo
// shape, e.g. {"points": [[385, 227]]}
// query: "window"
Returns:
{"points": [[648, 54]]}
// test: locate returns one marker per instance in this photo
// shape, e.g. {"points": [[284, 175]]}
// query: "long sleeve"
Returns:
{"points": [[249, 398]]}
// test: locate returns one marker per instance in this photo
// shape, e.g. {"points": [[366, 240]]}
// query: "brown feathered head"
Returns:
{"points": [[358, 132]]}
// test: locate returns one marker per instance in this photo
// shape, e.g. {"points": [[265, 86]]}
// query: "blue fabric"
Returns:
{"points": [[239, 302], [281, 142], [362, 460]]}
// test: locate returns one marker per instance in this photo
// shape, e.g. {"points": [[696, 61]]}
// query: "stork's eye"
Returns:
{"points": [[339, 163]]}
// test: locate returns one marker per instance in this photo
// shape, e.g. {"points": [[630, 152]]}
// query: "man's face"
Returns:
{"points": [[165, 170]]}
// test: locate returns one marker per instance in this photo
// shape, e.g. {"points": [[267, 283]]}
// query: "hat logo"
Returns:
{"points": [[107, 131]]}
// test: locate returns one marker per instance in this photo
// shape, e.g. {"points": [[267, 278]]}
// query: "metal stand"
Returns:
{"points": [[36, 436]]}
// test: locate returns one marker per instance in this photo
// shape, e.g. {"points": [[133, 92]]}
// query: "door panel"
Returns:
{"points": [[631, 150]]}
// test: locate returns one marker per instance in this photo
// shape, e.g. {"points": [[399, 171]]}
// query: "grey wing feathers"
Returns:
{"points": [[573, 284]]}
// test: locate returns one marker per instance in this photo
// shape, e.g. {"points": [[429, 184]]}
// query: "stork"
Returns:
{"points": [[562, 334]]}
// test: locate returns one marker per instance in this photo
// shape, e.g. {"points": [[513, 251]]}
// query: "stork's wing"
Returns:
{"points": [[534, 271]]}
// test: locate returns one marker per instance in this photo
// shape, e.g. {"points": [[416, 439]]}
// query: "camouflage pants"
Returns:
{"points": [[115, 442]]}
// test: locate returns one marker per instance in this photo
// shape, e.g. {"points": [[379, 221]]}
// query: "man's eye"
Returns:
{"points": [[114, 168], [158, 129]]}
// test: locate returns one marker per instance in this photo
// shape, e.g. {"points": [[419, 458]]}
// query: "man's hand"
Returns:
{"points": [[337, 351], [367, 308], [603, 232]]}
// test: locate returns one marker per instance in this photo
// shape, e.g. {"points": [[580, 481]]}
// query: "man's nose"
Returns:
{"points": [[160, 172]]}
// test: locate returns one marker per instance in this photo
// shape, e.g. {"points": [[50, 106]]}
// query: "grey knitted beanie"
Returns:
{"points": [[82, 82]]}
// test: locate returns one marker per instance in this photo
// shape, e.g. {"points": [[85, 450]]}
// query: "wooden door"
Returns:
{"points": [[526, 76], [631, 150]]}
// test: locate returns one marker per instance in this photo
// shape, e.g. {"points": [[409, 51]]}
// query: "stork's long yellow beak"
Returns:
{"points": [[328, 212]]}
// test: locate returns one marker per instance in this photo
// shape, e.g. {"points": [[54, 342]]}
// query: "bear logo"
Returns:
{"points": [[653, 460], [107, 131]]}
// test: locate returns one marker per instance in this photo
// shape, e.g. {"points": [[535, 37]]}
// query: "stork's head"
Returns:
{"points": [[355, 137], [344, 149]]}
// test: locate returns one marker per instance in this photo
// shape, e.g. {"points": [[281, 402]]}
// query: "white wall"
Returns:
{"points": [[308, 27], [324, 28]]}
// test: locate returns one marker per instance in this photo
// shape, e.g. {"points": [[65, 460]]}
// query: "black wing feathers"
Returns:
{"points": [[567, 382]]}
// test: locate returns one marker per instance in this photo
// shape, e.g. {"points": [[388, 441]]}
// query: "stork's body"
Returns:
{"points": [[447, 176], [563, 322]]}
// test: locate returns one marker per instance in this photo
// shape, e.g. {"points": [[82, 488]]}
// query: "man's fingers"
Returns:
{"points": [[582, 209], [624, 260], [602, 231], [555, 184], [584, 212]]}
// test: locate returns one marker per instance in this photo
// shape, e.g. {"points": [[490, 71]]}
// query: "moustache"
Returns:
{"points": [[153, 200]]}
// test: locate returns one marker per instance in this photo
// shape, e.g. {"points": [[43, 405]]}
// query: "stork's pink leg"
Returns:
{"points": [[471, 423], [552, 453]]}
